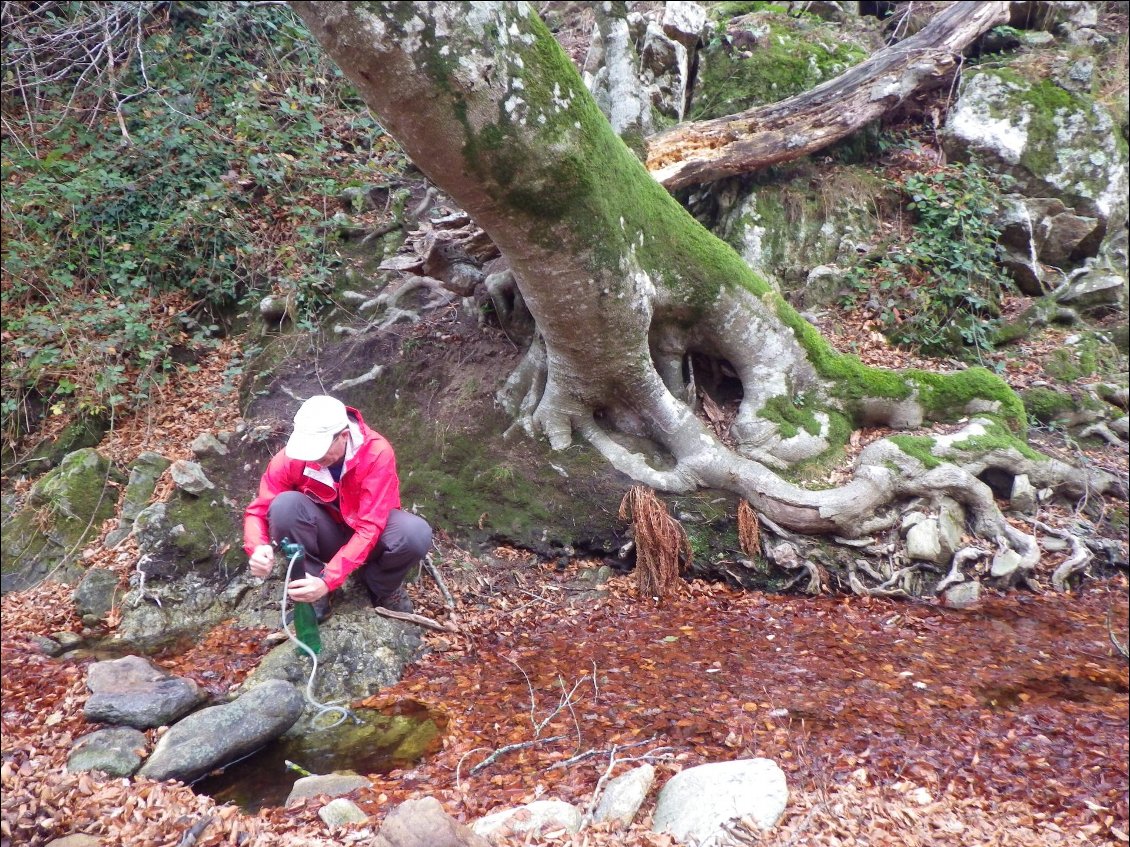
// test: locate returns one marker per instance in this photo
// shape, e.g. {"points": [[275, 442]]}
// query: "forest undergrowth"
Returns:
{"points": [[896, 723]]}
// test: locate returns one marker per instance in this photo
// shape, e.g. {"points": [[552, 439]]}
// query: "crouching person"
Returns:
{"points": [[334, 490]]}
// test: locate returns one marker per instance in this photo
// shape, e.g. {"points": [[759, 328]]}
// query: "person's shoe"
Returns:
{"points": [[396, 601]]}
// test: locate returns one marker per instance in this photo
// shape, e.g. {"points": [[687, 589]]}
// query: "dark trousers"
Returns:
{"points": [[405, 541]]}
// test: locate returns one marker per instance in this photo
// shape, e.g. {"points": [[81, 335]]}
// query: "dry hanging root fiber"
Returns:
{"points": [[660, 541], [749, 530]]}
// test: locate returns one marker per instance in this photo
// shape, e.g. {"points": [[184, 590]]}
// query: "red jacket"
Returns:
{"points": [[369, 489]]}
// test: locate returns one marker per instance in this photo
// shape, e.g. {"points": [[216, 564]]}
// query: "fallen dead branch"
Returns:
{"points": [[419, 620], [510, 748], [433, 572]]}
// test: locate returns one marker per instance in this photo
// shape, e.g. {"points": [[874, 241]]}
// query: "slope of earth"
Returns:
{"points": [[896, 723]]}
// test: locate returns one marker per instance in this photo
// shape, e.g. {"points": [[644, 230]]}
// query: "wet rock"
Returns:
{"points": [[143, 476], [695, 805], [329, 785], [116, 751], [67, 640], [530, 819], [219, 735], [95, 595], [361, 652], [47, 646], [963, 595], [340, 812], [133, 692], [624, 795], [424, 823], [189, 476], [186, 537]]}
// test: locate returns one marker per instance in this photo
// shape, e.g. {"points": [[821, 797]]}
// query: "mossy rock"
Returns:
{"points": [[1047, 406], [188, 534], [85, 431], [65, 510], [782, 227], [765, 57], [1053, 142]]}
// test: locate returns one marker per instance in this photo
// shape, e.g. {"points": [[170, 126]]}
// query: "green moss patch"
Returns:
{"points": [[918, 447], [767, 57], [1045, 406]]}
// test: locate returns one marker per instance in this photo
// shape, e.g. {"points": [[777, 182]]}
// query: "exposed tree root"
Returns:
{"points": [[1075, 563]]}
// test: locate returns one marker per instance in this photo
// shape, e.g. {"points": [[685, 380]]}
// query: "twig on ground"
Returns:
{"points": [[510, 748], [1123, 649], [588, 754], [433, 572], [195, 831], [419, 620]]}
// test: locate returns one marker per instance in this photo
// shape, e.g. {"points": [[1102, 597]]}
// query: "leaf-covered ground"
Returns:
{"points": [[896, 723]]}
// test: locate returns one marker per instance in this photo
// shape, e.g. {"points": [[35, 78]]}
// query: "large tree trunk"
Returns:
{"points": [[624, 285], [784, 131]]}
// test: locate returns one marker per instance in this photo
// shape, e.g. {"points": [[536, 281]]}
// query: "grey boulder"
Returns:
{"points": [[696, 805], [133, 692], [219, 735], [116, 751]]}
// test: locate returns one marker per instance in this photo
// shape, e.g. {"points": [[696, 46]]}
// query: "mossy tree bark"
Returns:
{"points": [[781, 132], [624, 285]]}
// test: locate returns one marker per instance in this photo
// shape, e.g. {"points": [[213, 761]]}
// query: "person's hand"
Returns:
{"points": [[262, 560], [307, 590]]}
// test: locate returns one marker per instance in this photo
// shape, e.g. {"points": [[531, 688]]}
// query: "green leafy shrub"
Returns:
{"points": [[148, 195], [939, 289]]}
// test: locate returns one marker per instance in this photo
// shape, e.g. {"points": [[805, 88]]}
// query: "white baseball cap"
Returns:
{"points": [[316, 423]]}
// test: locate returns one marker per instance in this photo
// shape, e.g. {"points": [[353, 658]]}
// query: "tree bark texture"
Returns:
{"points": [[780, 132], [624, 284]]}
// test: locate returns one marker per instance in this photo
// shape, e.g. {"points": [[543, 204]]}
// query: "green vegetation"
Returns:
{"points": [[918, 447], [792, 415], [789, 56], [1091, 355], [940, 289], [145, 198], [997, 437], [1045, 406]]}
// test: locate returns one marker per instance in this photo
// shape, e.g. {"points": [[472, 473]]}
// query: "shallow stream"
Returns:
{"points": [[397, 736]]}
